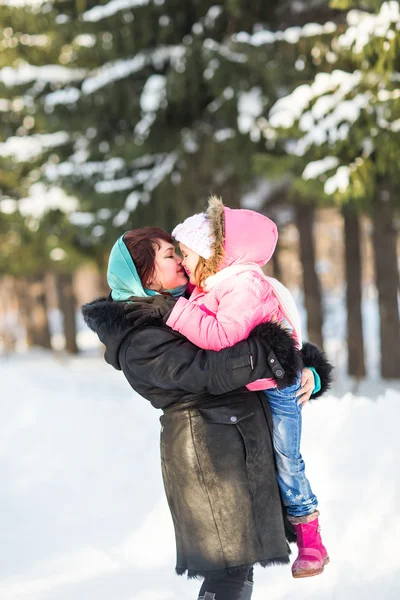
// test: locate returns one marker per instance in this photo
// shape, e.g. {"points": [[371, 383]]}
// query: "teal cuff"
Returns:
{"points": [[317, 381]]}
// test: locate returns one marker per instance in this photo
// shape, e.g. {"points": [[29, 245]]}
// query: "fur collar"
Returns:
{"points": [[107, 318], [215, 215]]}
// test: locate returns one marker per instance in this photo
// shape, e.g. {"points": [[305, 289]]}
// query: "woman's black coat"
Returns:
{"points": [[216, 450]]}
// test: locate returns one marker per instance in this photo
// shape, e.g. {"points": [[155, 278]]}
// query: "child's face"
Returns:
{"points": [[189, 263]]}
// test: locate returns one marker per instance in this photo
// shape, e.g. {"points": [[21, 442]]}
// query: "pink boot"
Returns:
{"points": [[312, 553]]}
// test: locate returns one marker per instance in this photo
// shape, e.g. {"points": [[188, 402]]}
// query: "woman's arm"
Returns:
{"points": [[242, 305], [159, 356]]}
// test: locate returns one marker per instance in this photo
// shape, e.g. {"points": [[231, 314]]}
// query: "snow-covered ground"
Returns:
{"points": [[82, 509]]}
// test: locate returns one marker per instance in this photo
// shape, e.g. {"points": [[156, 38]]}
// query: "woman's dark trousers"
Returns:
{"points": [[236, 586]]}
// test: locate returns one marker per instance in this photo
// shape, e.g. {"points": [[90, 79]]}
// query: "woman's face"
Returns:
{"points": [[168, 273], [190, 260]]}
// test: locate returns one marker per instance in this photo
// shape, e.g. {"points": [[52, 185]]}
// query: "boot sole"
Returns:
{"points": [[302, 574]]}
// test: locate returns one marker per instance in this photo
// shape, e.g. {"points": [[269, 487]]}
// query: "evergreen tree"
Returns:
{"points": [[337, 135]]}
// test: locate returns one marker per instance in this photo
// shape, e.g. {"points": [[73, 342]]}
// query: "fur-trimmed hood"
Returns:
{"points": [[239, 236]]}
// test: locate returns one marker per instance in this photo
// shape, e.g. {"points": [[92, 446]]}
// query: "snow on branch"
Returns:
{"points": [[86, 170], [24, 148], [114, 71], [339, 182], [41, 199], [287, 110], [364, 26], [45, 74], [212, 14], [291, 35], [250, 106], [21, 3], [111, 8], [223, 50], [68, 95], [318, 167]]}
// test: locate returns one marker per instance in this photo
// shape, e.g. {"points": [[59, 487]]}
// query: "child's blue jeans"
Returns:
{"points": [[295, 488]]}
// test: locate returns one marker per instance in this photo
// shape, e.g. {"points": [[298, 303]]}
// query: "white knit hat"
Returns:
{"points": [[195, 233]]}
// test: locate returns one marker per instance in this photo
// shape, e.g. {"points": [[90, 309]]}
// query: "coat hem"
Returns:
{"points": [[219, 573]]}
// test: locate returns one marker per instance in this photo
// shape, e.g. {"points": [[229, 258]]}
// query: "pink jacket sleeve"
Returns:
{"points": [[240, 309]]}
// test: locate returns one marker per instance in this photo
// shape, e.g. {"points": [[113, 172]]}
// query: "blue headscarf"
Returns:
{"points": [[123, 278]]}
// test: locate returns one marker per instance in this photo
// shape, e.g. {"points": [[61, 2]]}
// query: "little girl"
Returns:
{"points": [[223, 251]]}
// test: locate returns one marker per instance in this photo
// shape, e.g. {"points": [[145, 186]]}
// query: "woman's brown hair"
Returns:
{"points": [[142, 244]]}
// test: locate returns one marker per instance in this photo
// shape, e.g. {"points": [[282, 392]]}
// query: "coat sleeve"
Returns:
{"points": [[240, 308], [157, 356]]}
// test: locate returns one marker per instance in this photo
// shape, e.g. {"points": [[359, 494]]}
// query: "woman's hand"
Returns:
{"points": [[144, 310], [307, 386]]}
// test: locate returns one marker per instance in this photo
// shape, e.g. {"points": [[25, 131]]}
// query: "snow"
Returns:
{"points": [[250, 106], [213, 46], [222, 135], [212, 14], [114, 185], [324, 110], [121, 218], [291, 35], [134, 198], [82, 219], [41, 199], [25, 148], [111, 8], [287, 110], [339, 181], [395, 125], [152, 98], [385, 95], [160, 171], [154, 93], [86, 40], [113, 72], [362, 26], [107, 168], [86, 512], [66, 96], [19, 3], [46, 74], [318, 167], [119, 69]]}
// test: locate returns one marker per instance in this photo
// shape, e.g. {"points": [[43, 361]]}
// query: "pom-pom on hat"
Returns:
{"points": [[195, 233]]}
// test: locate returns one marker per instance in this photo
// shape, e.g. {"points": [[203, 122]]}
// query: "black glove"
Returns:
{"points": [[149, 310]]}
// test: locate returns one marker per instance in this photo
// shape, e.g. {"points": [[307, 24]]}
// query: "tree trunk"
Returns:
{"points": [[67, 306], [276, 264], [8, 310], [38, 328], [311, 284], [387, 282], [355, 340]]}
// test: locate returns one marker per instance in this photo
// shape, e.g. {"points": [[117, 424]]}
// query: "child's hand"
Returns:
{"points": [[307, 386]]}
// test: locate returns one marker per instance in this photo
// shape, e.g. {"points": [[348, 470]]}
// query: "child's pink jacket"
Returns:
{"points": [[239, 296]]}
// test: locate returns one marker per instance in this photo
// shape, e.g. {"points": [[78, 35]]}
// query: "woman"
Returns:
{"points": [[216, 451]]}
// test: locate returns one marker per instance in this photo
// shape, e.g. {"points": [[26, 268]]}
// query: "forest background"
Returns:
{"points": [[120, 114]]}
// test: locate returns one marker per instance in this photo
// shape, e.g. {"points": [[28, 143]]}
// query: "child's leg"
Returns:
{"points": [[286, 417], [295, 488]]}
